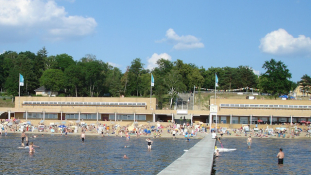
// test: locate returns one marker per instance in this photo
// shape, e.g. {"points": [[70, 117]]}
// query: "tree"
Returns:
{"points": [[276, 78], [53, 79], [74, 77], [63, 61], [305, 82], [174, 84], [134, 75]]}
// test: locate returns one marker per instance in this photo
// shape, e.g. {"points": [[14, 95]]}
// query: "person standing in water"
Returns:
{"points": [[249, 142], [174, 134], [280, 156], [23, 137], [31, 149], [83, 137], [149, 143]]}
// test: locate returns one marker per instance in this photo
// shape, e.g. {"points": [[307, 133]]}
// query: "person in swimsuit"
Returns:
{"points": [[27, 141], [280, 156], [174, 134], [217, 153], [23, 137], [31, 149], [149, 143], [83, 136], [249, 142], [125, 157]]}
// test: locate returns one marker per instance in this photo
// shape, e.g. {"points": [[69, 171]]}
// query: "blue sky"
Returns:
{"points": [[205, 33]]}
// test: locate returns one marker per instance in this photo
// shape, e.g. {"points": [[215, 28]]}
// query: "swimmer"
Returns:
{"points": [[249, 142], [31, 148], [23, 137], [149, 143], [217, 153], [280, 156], [83, 137], [125, 157]]}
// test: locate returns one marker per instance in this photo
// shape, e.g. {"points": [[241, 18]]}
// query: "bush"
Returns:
{"points": [[62, 95], [4, 98]]}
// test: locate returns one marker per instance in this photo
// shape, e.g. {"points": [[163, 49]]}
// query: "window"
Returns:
{"points": [[235, 120], [243, 120]]}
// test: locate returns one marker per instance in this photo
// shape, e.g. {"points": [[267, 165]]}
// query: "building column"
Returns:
{"points": [[291, 120], [191, 119], [230, 119], [172, 118], [134, 116], [79, 115], [26, 115], [153, 119], [97, 116], [115, 116], [9, 114], [251, 119], [61, 115], [270, 119], [43, 115]]}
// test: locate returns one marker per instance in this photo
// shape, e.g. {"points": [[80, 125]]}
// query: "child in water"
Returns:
{"points": [[31, 149]]}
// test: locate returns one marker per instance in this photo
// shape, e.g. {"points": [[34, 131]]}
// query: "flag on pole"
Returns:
{"points": [[152, 80], [216, 80], [21, 80]]}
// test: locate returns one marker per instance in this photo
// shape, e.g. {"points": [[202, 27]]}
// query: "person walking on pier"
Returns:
{"points": [[280, 156], [249, 142]]}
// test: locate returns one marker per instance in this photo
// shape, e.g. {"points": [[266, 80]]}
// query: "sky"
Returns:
{"points": [[202, 32]]}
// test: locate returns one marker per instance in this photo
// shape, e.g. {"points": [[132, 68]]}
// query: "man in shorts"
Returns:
{"points": [[280, 156]]}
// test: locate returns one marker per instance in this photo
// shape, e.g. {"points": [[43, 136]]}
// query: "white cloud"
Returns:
{"points": [[114, 64], [279, 42], [182, 42], [256, 72], [152, 62], [21, 20]]}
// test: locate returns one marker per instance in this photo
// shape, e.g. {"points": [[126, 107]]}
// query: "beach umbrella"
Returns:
{"points": [[302, 121], [308, 122], [62, 126], [259, 121]]}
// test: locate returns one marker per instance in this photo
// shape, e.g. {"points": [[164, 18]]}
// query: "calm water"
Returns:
{"points": [[261, 158], [98, 155]]}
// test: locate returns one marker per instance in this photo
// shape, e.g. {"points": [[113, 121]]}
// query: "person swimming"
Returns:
{"points": [[125, 157]]}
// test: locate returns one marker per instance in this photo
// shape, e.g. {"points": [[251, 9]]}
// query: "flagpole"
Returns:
{"points": [[150, 90], [215, 103], [19, 90]]}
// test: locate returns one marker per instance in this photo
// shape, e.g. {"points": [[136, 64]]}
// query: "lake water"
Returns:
{"points": [[261, 158], [98, 155]]}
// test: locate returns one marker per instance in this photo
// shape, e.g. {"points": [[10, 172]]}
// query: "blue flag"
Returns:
{"points": [[21, 80], [216, 80], [152, 80]]}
